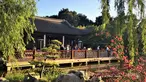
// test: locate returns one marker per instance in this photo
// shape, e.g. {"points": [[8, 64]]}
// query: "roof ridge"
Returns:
{"points": [[49, 19]]}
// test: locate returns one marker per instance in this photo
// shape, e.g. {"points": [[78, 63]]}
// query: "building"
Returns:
{"points": [[49, 29]]}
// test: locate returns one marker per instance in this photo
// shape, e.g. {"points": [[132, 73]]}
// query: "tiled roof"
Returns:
{"points": [[57, 26]]}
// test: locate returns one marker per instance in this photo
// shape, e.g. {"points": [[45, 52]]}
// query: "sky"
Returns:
{"points": [[90, 8]]}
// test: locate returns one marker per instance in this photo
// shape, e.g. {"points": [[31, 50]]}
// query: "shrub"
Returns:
{"points": [[44, 49], [38, 55], [43, 80], [15, 77], [52, 73], [53, 56]]}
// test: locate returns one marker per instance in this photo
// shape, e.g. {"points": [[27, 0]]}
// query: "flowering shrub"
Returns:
{"points": [[117, 46], [129, 73]]}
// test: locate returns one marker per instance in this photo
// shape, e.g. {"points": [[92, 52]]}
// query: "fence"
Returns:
{"points": [[68, 54]]}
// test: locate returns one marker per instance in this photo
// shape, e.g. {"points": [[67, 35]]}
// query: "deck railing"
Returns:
{"points": [[69, 54]]}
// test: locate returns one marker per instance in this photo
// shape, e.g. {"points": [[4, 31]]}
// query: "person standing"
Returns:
{"points": [[98, 47], [61, 47], [68, 50], [108, 51]]}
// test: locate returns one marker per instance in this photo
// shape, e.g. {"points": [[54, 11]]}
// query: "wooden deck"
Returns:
{"points": [[71, 58], [63, 61], [86, 60]]}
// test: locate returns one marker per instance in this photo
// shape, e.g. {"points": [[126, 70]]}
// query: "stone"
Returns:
{"points": [[29, 78], [95, 79], [72, 76]]}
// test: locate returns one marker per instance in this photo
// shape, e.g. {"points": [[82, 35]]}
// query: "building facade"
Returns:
{"points": [[48, 29]]}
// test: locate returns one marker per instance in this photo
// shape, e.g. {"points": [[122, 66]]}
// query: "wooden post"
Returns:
{"points": [[98, 53], [85, 53], [72, 64], [98, 61], [34, 53], [109, 61], [86, 63], [72, 54]]}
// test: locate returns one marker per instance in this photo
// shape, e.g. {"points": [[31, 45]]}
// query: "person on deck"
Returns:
{"points": [[61, 47], [76, 47], [68, 51], [98, 47], [108, 51]]}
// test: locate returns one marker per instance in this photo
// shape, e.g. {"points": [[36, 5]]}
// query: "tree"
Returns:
{"points": [[84, 21], [73, 18], [70, 16], [14, 23], [53, 16], [98, 20], [128, 23]]}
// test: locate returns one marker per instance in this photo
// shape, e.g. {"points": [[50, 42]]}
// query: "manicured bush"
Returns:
{"points": [[44, 49]]}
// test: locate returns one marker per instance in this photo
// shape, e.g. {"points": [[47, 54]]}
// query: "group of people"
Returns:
{"points": [[68, 47], [65, 48], [76, 47], [108, 50]]}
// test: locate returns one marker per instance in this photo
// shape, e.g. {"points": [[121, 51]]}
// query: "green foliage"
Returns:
{"points": [[105, 13], [52, 73], [43, 80], [97, 37], [143, 35], [15, 76], [56, 42], [126, 25], [54, 47], [73, 18], [44, 49], [39, 55], [99, 20], [14, 23], [84, 21], [53, 56], [70, 16]]}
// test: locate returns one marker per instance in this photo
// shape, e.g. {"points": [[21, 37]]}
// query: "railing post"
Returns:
{"points": [[85, 53], [98, 53], [72, 54], [34, 52]]}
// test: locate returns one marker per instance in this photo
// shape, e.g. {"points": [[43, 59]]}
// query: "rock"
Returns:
{"points": [[29, 78], [95, 79], [72, 76]]}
